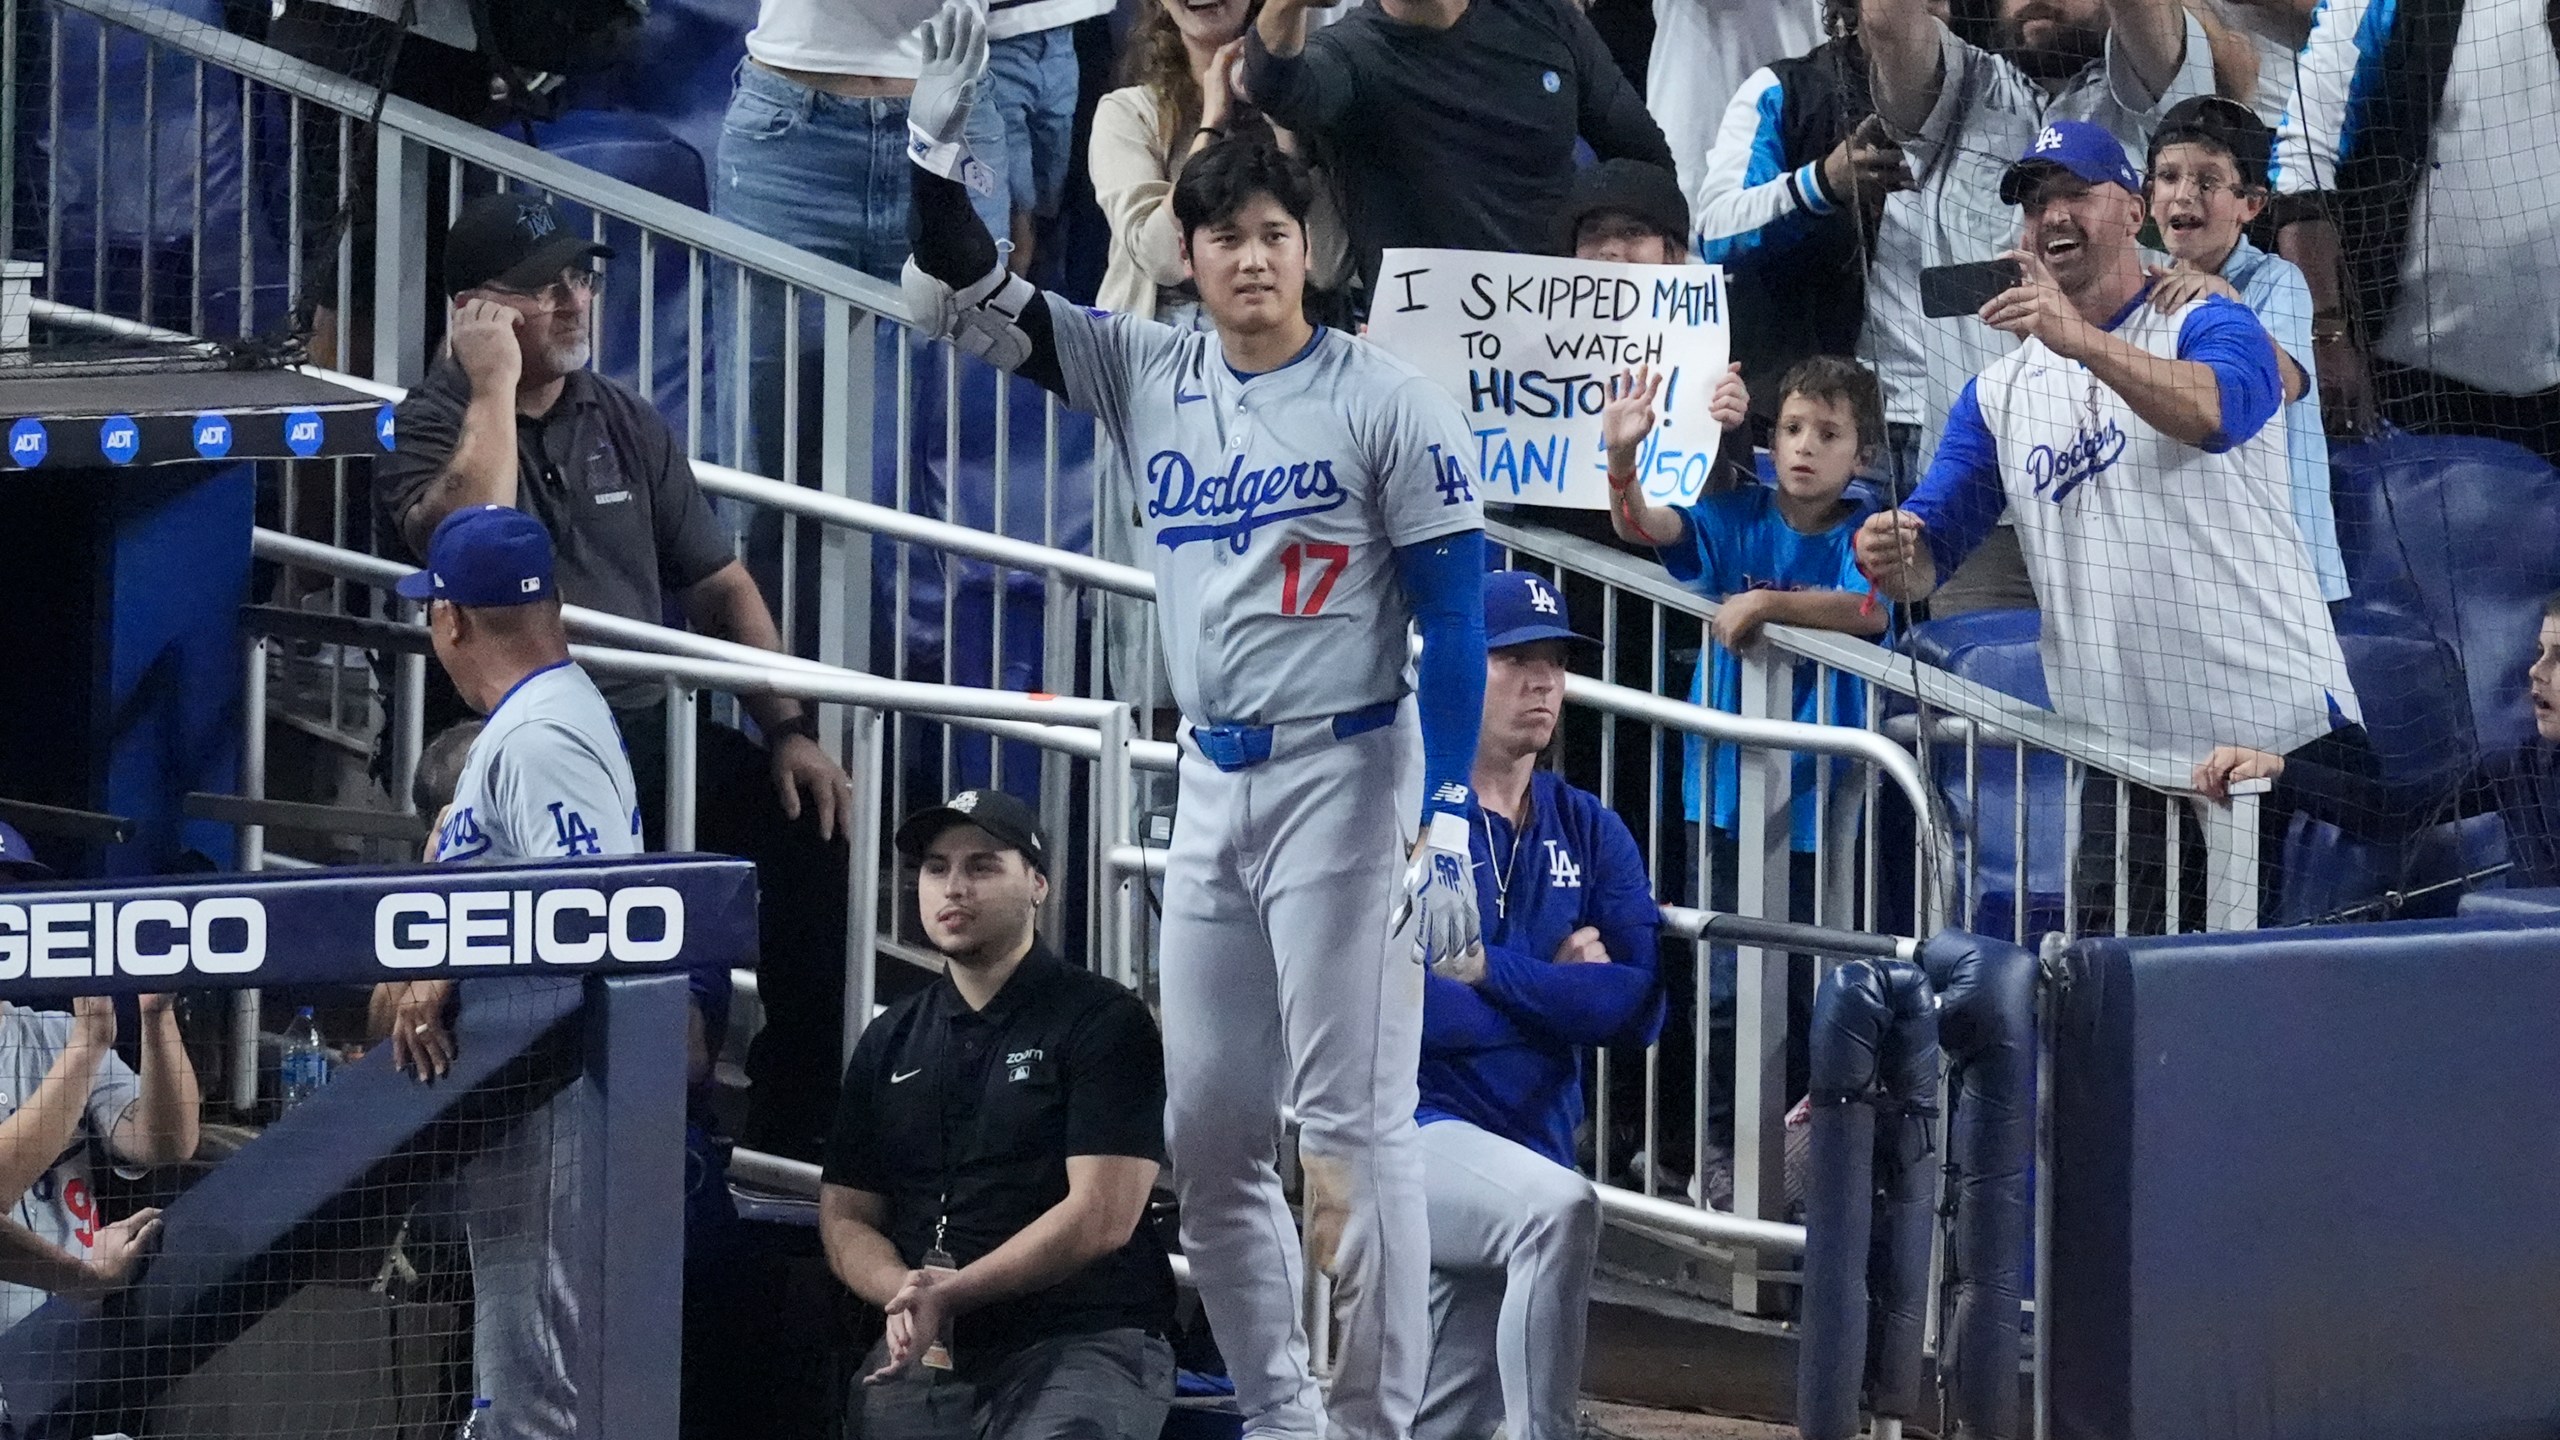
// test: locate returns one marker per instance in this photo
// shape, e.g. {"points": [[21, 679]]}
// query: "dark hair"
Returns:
{"points": [[1217, 182], [2219, 124], [2551, 606], [1840, 380], [440, 766]]}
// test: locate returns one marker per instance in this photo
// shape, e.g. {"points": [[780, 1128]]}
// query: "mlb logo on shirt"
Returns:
{"points": [[1563, 871]]}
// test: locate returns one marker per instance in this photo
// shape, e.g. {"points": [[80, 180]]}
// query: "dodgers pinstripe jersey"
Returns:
{"points": [[2181, 610], [546, 780], [1272, 507]]}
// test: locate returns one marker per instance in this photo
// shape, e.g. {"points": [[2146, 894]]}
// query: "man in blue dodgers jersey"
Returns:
{"points": [[1306, 504], [1567, 961], [2152, 500], [545, 779]]}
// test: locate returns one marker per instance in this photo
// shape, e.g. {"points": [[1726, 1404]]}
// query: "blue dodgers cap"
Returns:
{"points": [[1521, 608], [18, 858], [2085, 150], [485, 557]]}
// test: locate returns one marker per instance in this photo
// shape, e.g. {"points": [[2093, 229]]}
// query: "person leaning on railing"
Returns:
{"points": [[1567, 962], [63, 1092], [511, 416], [2521, 785], [2151, 495]]}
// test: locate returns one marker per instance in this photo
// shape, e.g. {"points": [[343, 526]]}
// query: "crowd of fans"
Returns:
{"points": [[2128, 431]]}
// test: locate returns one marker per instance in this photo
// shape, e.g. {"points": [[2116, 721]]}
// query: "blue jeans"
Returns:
{"points": [[1031, 84], [829, 176]]}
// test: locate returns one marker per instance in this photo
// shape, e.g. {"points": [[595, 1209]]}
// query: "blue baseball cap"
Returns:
{"points": [[1521, 608], [18, 858], [485, 557], [2085, 150]]}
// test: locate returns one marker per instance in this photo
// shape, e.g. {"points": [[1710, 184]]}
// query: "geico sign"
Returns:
{"points": [[77, 939], [423, 929]]}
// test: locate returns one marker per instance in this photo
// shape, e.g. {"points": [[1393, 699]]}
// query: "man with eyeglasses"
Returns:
{"points": [[510, 415]]}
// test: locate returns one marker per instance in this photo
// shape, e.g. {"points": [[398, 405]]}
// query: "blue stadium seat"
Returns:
{"points": [[122, 193], [679, 70], [644, 151], [1997, 648], [2454, 532]]}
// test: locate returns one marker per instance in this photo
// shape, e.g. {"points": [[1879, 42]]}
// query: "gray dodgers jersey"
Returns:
{"points": [[546, 780], [1272, 507], [62, 1206]]}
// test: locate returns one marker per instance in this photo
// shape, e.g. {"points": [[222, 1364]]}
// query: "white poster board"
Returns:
{"points": [[1526, 345]]}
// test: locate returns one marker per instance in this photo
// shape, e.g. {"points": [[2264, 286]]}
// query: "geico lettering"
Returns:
{"points": [[423, 930], [74, 939]]}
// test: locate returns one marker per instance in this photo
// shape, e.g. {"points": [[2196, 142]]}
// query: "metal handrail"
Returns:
{"points": [[2004, 715], [724, 239]]}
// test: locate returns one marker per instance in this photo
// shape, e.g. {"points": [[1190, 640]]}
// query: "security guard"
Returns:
{"points": [[996, 1142]]}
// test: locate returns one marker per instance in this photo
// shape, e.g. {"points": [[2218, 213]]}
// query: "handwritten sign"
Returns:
{"points": [[1526, 344]]}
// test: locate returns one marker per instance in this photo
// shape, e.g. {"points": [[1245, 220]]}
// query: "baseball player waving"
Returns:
{"points": [[1305, 501]]}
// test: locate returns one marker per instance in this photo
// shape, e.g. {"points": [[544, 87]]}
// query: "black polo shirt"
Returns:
{"points": [[984, 1107], [604, 475]]}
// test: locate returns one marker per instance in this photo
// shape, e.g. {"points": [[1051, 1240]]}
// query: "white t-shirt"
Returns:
{"points": [[61, 1207], [2180, 609], [2479, 289], [1702, 52], [842, 37], [1008, 18], [1988, 113], [546, 779]]}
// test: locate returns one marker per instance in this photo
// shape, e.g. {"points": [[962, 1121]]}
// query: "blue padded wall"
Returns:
{"points": [[2304, 1185]]}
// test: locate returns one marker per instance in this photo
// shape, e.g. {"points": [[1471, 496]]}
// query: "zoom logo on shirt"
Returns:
{"points": [[573, 925], [2088, 456], [1236, 502]]}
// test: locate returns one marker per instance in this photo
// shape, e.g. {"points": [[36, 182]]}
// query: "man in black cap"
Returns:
{"points": [[987, 1184], [511, 416]]}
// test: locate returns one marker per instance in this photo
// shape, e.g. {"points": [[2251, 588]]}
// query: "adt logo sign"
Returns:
{"points": [[119, 439], [28, 443], [384, 430], [303, 432], [212, 436]]}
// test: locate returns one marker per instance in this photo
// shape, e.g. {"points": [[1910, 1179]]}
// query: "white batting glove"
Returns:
{"points": [[1441, 895], [955, 61]]}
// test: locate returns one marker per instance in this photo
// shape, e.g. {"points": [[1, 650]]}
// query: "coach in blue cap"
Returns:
{"points": [[2130, 447], [1567, 961]]}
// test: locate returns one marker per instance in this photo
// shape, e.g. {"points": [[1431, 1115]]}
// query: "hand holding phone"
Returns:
{"points": [[1951, 290]]}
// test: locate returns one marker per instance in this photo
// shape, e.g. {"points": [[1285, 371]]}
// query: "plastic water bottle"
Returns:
{"points": [[477, 1427], [306, 1059]]}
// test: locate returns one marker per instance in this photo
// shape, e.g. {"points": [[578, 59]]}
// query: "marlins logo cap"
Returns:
{"points": [[999, 814], [514, 242], [483, 558]]}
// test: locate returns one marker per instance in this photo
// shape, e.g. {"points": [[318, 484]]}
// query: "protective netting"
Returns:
{"points": [[361, 1262], [2317, 567]]}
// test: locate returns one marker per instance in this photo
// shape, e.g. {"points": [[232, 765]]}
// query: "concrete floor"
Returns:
{"points": [[1633, 1422]]}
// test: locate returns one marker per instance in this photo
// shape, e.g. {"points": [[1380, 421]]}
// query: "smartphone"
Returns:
{"points": [[1949, 290]]}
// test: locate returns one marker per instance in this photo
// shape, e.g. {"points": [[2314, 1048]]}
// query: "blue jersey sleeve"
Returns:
{"points": [[1444, 582], [1458, 1020], [2226, 337], [1961, 497]]}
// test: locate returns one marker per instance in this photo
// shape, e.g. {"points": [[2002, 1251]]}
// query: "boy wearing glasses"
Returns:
{"points": [[2207, 182]]}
